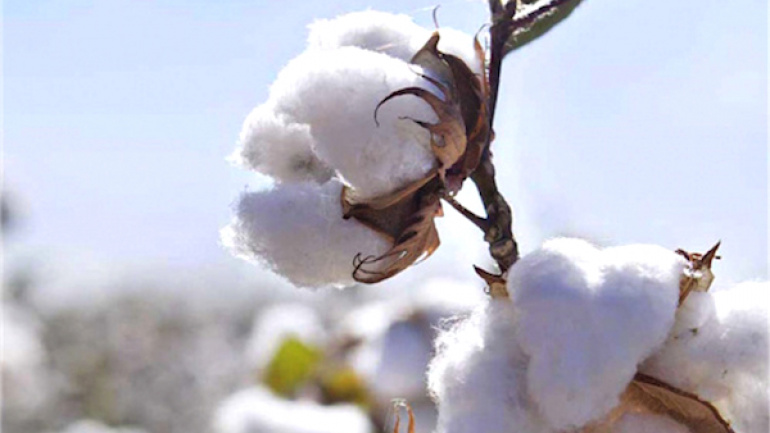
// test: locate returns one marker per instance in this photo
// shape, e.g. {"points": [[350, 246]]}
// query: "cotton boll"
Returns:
{"points": [[719, 351], [276, 323], [336, 92], [647, 423], [395, 35], [256, 410], [297, 230], [274, 146], [586, 318], [478, 377]]}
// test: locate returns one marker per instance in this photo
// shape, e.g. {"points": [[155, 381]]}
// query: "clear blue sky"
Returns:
{"points": [[628, 123]]}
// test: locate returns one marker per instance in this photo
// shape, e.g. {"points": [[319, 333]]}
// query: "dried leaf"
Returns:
{"points": [[698, 277], [538, 16], [418, 239], [647, 394]]}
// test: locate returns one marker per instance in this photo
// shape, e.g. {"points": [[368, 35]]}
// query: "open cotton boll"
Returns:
{"points": [[276, 323], [257, 410], [336, 92], [276, 147], [719, 351], [297, 230], [395, 35], [478, 376], [586, 318]]}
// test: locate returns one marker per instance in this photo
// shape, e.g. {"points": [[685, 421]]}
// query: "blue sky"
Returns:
{"points": [[628, 123]]}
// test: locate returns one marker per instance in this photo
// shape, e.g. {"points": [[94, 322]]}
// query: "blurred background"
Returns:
{"points": [[122, 313]]}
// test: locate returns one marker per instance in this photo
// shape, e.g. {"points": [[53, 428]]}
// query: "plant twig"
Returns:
{"points": [[499, 233]]}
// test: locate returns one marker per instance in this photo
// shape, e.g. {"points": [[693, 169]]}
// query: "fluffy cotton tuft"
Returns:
{"points": [[586, 317], [335, 93], [297, 230], [478, 376], [395, 35], [319, 118], [256, 410], [277, 147], [718, 349]]}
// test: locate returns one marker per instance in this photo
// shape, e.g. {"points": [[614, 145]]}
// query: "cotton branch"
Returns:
{"points": [[499, 221]]}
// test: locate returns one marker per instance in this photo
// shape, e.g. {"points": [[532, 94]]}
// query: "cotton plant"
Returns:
{"points": [[377, 125]]}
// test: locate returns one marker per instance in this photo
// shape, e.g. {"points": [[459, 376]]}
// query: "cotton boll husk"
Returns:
{"points": [[719, 351], [395, 35], [460, 44], [273, 325], [297, 230], [276, 147], [256, 410], [478, 376], [587, 317], [336, 92], [647, 423]]}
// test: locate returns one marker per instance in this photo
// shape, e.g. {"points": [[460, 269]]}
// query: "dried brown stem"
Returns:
{"points": [[499, 232]]}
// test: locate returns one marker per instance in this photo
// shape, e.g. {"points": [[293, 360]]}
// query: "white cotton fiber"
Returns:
{"points": [[276, 147], [297, 230], [478, 377], [718, 349], [395, 35], [586, 318], [335, 92], [256, 410]]}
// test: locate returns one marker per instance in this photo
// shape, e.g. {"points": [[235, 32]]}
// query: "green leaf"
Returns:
{"points": [[539, 19], [293, 364]]}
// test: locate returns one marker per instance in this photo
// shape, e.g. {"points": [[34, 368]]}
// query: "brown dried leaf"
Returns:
{"points": [[418, 239], [699, 276], [649, 395]]}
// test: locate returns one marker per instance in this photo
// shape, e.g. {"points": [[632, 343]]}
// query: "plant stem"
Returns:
{"points": [[499, 233]]}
